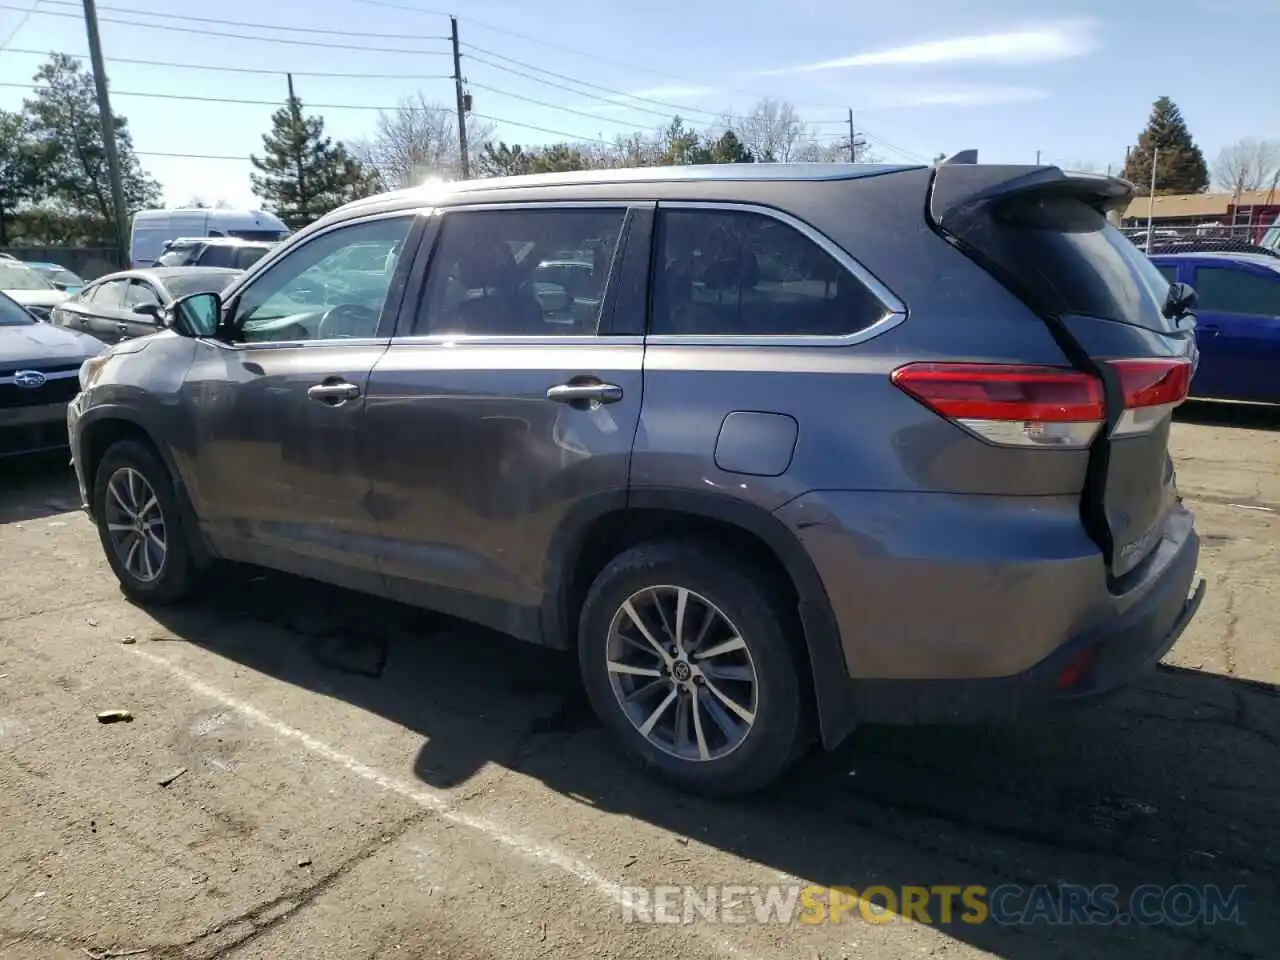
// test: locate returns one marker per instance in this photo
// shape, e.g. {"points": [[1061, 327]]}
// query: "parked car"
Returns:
{"points": [[30, 288], [129, 304], [1237, 322], [213, 252], [153, 228], [798, 411], [38, 376], [61, 278]]}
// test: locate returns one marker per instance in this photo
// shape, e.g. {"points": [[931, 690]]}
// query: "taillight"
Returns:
{"points": [[1152, 388], [1043, 406], [1011, 404]]}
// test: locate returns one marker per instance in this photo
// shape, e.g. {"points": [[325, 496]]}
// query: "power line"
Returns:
{"points": [[198, 99], [263, 71], [22, 22], [237, 36], [190, 18], [554, 106]]}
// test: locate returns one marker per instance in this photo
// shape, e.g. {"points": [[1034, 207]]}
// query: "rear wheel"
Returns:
{"points": [[140, 526], [686, 658]]}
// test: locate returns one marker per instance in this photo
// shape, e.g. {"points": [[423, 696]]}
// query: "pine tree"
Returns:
{"points": [[304, 174], [1180, 166]]}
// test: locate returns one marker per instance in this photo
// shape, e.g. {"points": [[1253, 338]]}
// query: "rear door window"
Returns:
{"points": [[1227, 290], [740, 273], [217, 255], [1065, 256]]}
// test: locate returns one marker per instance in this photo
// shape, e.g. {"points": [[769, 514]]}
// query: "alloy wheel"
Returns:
{"points": [[682, 673], [136, 525]]}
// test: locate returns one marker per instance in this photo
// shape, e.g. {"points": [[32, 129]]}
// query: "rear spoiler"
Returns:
{"points": [[958, 188]]}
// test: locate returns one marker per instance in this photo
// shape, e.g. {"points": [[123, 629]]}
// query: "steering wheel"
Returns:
{"points": [[347, 320]]}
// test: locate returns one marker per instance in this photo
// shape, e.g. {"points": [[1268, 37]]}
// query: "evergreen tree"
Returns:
{"points": [[63, 137], [1180, 166], [304, 174], [727, 148]]}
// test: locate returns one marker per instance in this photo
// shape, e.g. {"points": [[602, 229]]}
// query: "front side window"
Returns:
{"points": [[1238, 291], [140, 293], [313, 293], [739, 273], [520, 272], [217, 255], [110, 295], [246, 257], [1169, 273]]}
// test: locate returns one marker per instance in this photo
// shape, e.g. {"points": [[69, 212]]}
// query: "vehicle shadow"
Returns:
{"points": [[1175, 782], [35, 487], [1250, 416]]}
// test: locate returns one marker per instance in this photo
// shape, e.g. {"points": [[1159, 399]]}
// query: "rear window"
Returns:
{"points": [[1069, 260], [201, 283]]}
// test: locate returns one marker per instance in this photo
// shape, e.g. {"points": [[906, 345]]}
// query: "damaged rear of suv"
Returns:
{"points": [[807, 446]]}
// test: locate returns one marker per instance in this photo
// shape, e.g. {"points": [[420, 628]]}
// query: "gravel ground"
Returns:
{"points": [[359, 780]]}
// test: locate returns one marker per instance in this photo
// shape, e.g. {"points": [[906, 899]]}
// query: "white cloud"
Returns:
{"points": [[1056, 41], [957, 97]]}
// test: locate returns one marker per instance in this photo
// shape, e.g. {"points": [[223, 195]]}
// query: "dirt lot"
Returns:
{"points": [[361, 780]]}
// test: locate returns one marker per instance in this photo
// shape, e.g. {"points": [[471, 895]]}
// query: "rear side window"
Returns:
{"points": [[1237, 291], [1069, 260], [248, 256], [110, 294], [217, 255], [738, 273]]}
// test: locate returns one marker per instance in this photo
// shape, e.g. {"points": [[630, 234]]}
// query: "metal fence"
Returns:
{"points": [[1208, 237]]}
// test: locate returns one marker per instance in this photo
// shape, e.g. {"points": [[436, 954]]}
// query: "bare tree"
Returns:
{"points": [[1247, 164], [772, 131], [418, 140]]}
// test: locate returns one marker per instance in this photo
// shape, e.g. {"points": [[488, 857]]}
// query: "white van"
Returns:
{"points": [[153, 228]]}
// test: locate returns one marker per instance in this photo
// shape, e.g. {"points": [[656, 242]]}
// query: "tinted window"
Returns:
{"points": [[178, 255], [310, 294], [198, 283], [500, 272], [745, 274], [1169, 273], [248, 256], [110, 294], [1238, 291], [217, 255], [1068, 259]]}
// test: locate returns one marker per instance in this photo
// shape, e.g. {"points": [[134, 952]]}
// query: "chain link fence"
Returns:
{"points": [[1243, 237]]}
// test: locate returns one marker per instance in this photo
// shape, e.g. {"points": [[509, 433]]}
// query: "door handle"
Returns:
{"points": [[334, 394], [122, 327], [583, 393]]}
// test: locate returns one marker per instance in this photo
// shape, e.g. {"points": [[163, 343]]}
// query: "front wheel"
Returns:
{"points": [[686, 657], [140, 526]]}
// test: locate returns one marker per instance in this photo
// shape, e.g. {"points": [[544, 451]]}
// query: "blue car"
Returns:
{"points": [[1237, 322], [58, 275]]}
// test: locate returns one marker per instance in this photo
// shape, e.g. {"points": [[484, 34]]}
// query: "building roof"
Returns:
{"points": [[1205, 205]]}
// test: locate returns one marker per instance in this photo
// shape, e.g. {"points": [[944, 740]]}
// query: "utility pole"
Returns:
{"points": [[853, 143], [1151, 197], [464, 164], [108, 131], [1037, 158]]}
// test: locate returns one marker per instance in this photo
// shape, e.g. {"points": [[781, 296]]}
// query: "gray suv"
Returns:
{"points": [[789, 448]]}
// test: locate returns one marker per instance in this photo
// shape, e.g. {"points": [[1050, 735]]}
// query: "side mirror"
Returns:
{"points": [[1180, 299], [196, 315], [151, 310]]}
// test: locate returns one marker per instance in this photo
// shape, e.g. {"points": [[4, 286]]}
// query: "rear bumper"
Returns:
{"points": [[1113, 655], [959, 609]]}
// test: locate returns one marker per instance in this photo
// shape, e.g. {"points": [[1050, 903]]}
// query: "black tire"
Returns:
{"points": [[177, 577], [746, 596]]}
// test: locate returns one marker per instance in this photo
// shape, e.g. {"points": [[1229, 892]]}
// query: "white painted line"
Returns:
{"points": [[1245, 506], [435, 801]]}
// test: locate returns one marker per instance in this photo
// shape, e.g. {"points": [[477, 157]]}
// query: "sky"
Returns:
{"points": [[1072, 83]]}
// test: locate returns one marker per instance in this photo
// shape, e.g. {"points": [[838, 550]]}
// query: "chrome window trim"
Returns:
{"points": [[283, 250], [895, 309]]}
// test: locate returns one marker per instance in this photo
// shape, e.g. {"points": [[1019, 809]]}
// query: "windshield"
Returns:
{"points": [[59, 274], [201, 283], [176, 256], [17, 276], [12, 315]]}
